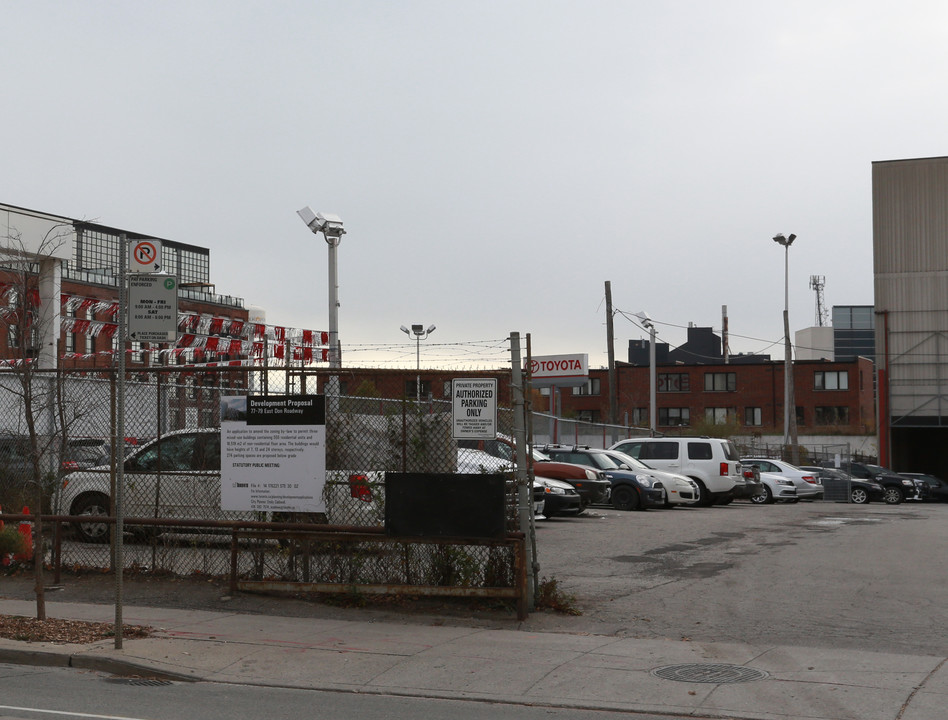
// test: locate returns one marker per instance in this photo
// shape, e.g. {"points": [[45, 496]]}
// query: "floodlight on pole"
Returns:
{"points": [[789, 402], [420, 334], [332, 230], [652, 410]]}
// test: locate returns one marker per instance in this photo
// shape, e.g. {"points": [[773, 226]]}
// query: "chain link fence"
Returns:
{"points": [[58, 436]]}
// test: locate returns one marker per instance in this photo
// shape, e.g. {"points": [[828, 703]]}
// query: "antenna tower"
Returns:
{"points": [[822, 316]]}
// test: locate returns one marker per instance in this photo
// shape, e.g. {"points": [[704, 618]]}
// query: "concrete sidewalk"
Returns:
{"points": [[513, 666]]}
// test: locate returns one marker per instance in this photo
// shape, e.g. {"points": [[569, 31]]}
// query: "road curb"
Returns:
{"points": [[111, 665]]}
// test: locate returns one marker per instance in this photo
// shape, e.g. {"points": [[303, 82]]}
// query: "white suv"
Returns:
{"points": [[713, 463]]}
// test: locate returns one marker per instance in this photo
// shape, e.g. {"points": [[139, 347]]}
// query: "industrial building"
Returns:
{"points": [[910, 251]]}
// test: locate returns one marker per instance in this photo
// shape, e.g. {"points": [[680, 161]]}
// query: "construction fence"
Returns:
{"points": [[58, 442]]}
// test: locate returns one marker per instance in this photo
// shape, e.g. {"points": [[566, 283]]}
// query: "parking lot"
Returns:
{"points": [[817, 573]]}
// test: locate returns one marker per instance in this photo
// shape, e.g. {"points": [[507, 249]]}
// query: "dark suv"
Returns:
{"points": [[896, 488], [629, 490]]}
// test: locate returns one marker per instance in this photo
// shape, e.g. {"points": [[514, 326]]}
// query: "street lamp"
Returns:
{"points": [[789, 402], [331, 227], [650, 326], [420, 334]]}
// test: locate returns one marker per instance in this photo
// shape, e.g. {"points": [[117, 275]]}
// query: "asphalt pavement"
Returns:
{"points": [[519, 664]]}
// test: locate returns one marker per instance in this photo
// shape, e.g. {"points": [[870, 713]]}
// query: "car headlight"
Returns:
{"points": [[908, 482], [646, 480], [591, 475], [554, 490]]}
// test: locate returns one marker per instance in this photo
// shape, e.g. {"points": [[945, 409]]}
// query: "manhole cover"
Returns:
{"points": [[709, 673]]}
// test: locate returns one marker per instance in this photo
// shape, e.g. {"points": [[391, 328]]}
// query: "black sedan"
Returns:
{"points": [[932, 488]]}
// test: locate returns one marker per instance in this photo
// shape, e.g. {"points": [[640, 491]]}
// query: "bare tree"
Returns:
{"points": [[43, 421]]}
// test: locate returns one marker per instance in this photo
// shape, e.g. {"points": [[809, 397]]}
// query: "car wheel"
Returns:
{"points": [[625, 498], [859, 496], [92, 504], [764, 498], [704, 497], [892, 496]]}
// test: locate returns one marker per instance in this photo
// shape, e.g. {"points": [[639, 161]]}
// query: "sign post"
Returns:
{"points": [[144, 256], [475, 408], [153, 308]]}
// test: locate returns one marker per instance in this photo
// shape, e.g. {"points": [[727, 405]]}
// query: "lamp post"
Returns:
{"points": [[420, 334], [789, 403], [652, 410], [331, 227]]}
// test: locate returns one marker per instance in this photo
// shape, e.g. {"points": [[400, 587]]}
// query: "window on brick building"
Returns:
{"points": [[590, 416], [831, 415], [719, 415], [411, 389], [753, 416], [674, 417], [590, 388], [720, 382], [672, 382], [640, 417], [831, 380], [69, 341]]}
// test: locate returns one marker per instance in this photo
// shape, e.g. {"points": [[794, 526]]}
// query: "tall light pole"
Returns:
{"points": [[331, 227], [789, 402], [652, 410], [420, 334]]}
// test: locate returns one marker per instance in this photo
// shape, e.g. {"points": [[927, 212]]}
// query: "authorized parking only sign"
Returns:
{"points": [[475, 407]]}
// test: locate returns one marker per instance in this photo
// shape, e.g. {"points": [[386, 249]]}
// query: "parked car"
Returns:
{"points": [[774, 488], [628, 491], [87, 452], [179, 476], [930, 487], [713, 463], [896, 488], [559, 498], [677, 489], [753, 485], [807, 483], [592, 485], [860, 491]]}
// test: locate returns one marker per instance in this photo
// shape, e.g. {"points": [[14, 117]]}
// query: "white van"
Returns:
{"points": [[713, 463]]}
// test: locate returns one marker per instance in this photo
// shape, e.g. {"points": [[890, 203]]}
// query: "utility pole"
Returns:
{"points": [[611, 344]]}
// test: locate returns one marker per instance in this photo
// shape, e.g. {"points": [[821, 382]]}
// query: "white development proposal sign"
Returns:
{"points": [[273, 453], [475, 408]]}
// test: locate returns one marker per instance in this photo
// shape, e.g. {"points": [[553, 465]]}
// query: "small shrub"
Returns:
{"points": [[11, 542], [549, 596]]}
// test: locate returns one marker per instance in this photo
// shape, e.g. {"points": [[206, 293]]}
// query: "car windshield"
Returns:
{"points": [[540, 457], [605, 462], [633, 463]]}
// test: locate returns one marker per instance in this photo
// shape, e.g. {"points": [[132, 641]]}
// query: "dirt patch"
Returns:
{"points": [[65, 632]]}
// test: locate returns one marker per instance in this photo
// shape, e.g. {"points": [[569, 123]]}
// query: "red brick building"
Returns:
{"points": [[830, 396]]}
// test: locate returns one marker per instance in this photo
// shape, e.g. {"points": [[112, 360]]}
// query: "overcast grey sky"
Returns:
{"points": [[494, 162]]}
